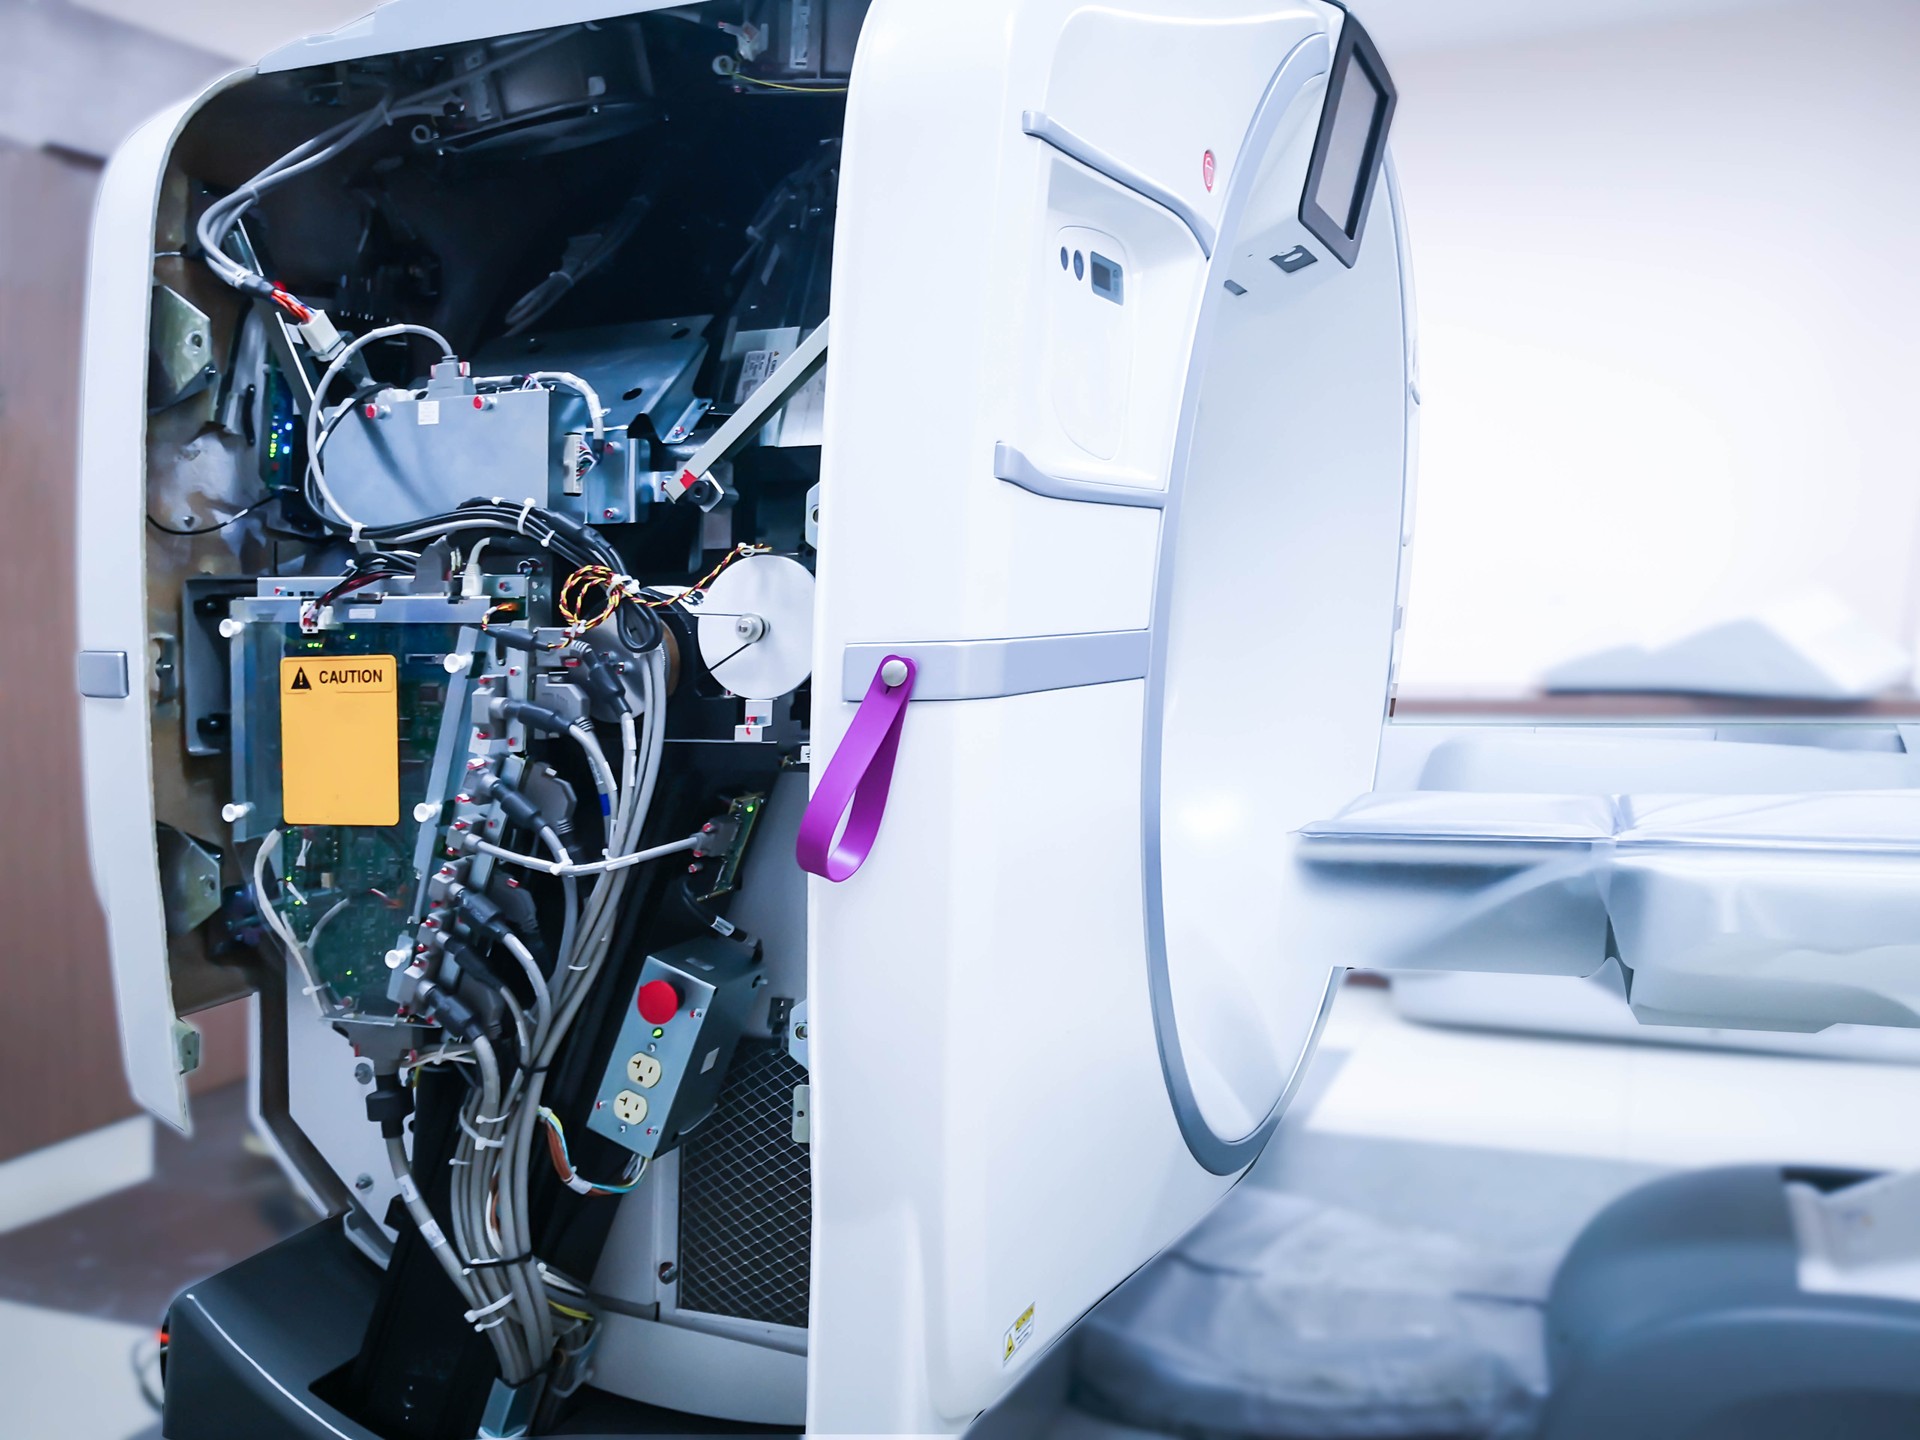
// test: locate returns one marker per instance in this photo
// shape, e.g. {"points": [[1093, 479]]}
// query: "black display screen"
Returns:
{"points": [[1356, 117], [1351, 146]]}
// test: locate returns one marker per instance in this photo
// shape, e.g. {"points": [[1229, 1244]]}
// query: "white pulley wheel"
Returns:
{"points": [[756, 626]]}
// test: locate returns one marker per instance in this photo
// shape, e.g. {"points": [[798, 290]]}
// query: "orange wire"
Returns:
{"points": [[739, 552]]}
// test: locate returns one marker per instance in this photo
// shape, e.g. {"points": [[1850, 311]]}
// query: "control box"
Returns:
{"points": [[675, 1044]]}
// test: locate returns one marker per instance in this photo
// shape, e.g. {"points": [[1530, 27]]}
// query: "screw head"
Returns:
{"points": [[363, 1072], [363, 1182]]}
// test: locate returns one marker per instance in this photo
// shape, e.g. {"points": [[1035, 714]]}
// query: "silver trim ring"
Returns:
{"points": [[1307, 61]]}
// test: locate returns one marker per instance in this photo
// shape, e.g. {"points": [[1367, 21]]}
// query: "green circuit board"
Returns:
{"points": [[353, 886]]}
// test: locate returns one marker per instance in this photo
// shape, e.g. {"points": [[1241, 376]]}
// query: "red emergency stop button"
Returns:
{"points": [[659, 1002]]}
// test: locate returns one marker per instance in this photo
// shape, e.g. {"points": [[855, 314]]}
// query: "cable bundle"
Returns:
{"points": [[489, 1254]]}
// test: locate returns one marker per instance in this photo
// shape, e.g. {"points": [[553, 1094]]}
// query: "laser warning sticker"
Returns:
{"points": [[340, 740]]}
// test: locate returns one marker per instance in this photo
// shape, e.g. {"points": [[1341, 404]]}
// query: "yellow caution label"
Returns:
{"points": [[340, 740], [1017, 1336]]}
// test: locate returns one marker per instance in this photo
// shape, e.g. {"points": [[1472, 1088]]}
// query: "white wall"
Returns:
{"points": [[1669, 281], [238, 29], [80, 82]]}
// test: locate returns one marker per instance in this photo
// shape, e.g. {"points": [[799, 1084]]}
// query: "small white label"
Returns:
{"points": [[754, 370], [712, 1055], [804, 419], [802, 1105], [1018, 1334], [800, 35], [429, 412], [434, 1235], [409, 1192]]}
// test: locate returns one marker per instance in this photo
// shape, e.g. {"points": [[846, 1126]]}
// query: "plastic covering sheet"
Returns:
{"points": [[1279, 1317], [1447, 880], [1777, 912]]}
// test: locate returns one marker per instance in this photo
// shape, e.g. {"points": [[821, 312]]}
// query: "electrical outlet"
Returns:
{"points": [[643, 1070], [630, 1107]]}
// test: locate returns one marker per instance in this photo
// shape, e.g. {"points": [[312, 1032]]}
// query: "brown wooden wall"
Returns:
{"points": [[60, 1071]]}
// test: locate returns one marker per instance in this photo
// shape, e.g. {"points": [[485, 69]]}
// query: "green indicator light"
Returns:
{"points": [[658, 1032]]}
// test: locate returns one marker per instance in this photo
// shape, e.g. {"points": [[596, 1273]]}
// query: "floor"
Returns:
{"points": [[1513, 1142], [1502, 1140], [82, 1294]]}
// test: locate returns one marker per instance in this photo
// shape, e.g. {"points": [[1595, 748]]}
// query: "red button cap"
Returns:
{"points": [[659, 1002]]}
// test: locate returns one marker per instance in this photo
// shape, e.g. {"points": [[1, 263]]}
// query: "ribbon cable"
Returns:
{"points": [[857, 781]]}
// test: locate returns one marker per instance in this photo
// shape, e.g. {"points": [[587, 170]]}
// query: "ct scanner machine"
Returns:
{"points": [[776, 870]]}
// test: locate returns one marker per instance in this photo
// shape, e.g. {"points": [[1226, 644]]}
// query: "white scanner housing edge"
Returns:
{"points": [[1012, 1151], [1143, 535]]}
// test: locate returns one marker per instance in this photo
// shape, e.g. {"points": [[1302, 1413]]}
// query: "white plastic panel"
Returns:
{"points": [[1162, 92], [1788, 912], [1508, 884], [991, 1131], [115, 734], [1767, 912], [993, 1134], [1275, 623], [1090, 339], [1152, 328]]}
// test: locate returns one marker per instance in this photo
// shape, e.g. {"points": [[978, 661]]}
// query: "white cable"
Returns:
{"points": [[219, 218], [585, 867], [487, 1310], [603, 781], [447, 1054], [472, 582], [541, 1001], [569, 897], [317, 433], [586, 392], [313, 935], [480, 1142], [559, 1281], [277, 923]]}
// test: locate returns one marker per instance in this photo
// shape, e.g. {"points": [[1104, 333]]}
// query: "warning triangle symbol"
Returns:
{"points": [[300, 681]]}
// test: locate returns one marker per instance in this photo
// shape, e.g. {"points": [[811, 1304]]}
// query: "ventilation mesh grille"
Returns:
{"points": [[746, 1197]]}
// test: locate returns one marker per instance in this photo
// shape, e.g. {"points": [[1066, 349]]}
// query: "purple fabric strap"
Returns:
{"points": [[857, 780]]}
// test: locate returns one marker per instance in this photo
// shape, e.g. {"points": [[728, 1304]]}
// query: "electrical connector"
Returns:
{"points": [[597, 676], [483, 917], [516, 807], [716, 837], [435, 1002], [389, 1104], [318, 334], [502, 708]]}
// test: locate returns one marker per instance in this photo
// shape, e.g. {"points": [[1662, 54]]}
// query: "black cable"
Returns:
{"points": [[714, 669], [574, 542], [166, 529], [365, 392]]}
